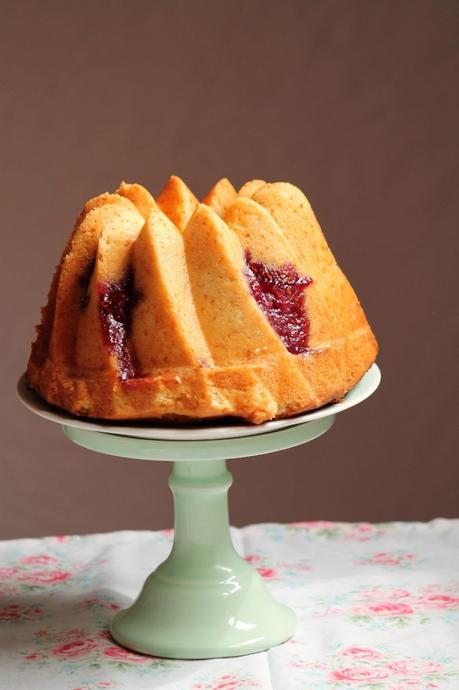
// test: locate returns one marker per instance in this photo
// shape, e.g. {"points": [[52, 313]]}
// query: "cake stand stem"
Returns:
{"points": [[204, 600], [201, 513]]}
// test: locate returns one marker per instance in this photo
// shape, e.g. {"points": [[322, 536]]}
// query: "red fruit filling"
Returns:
{"points": [[116, 300], [279, 292]]}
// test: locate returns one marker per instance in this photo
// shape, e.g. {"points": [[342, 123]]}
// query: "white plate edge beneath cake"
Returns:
{"points": [[196, 431]]}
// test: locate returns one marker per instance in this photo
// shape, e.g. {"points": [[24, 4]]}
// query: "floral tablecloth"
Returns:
{"points": [[378, 606]]}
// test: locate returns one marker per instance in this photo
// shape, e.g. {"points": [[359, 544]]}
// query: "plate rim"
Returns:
{"points": [[367, 385]]}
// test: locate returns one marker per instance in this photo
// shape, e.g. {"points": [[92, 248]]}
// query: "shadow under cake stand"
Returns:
{"points": [[204, 600]]}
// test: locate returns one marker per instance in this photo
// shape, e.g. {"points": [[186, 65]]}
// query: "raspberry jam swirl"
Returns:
{"points": [[280, 293], [116, 300]]}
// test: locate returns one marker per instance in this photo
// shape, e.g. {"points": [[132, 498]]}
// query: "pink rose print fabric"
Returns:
{"points": [[377, 605]]}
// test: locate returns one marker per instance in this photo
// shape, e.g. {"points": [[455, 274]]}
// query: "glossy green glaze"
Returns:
{"points": [[204, 600]]}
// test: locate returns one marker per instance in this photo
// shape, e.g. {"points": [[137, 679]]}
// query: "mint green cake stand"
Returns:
{"points": [[204, 600]]}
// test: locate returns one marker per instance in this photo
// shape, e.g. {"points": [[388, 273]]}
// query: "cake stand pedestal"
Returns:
{"points": [[204, 600]]}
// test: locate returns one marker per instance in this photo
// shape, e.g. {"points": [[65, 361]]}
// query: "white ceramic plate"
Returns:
{"points": [[198, 431]]}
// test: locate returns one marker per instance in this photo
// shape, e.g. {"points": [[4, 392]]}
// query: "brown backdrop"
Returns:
{"points": [[356, 102]]}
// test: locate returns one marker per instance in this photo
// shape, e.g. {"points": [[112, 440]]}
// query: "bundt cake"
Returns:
{"points": [[183, 310]]}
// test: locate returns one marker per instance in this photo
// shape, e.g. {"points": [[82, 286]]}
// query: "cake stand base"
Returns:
{"points": [[204, 600]]}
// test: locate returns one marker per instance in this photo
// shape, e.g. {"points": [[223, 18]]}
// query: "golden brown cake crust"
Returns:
{"points": [[166, 309], [221, 196], [177, 201]]}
